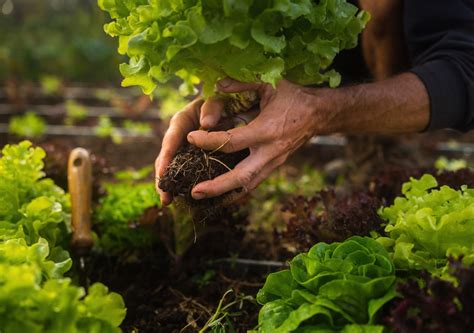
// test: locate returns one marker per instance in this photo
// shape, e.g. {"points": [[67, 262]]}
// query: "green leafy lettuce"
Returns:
{"points": [[31, 206], [250, 41], [428, 225], [34, 235], [336, 287], [34, 297], [29, 125], [117, 216]]}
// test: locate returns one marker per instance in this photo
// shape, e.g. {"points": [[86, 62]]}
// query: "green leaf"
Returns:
{"points": [[28, 126], [328, 288], [268, 39], [427, 225], [117, 215], [34, 232], [105, 306], [248, 41]]}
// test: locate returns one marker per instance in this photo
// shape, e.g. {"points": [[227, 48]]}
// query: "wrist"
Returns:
{"points": [[327, 107]]}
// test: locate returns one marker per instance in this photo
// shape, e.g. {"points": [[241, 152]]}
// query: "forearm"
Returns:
{"points": [[382, 40], [397, 105]]}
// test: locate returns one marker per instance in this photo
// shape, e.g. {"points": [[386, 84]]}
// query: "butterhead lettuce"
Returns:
{"points": [[332, 288]]}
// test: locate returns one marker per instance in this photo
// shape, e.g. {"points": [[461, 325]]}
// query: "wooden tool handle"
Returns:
{"points": [[80, 189]]}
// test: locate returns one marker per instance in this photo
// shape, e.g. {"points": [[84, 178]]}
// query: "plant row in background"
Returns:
{"points": [[35, 293], [414, 273], [31, 125], [57, 37]]}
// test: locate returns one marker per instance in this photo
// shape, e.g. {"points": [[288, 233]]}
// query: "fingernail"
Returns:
{"points": [[198, 195], [208, 121], [225, 83], [191, 139]]}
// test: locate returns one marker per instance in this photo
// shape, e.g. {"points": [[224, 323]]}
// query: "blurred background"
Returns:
{"points": [[62, 38], [60, 84]]}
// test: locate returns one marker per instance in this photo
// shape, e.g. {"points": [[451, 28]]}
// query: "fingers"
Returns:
{"points": [[264, 174], [230, 141], [242, 176], [232, 86], [211, 112], [181, 124], [165, 198]]}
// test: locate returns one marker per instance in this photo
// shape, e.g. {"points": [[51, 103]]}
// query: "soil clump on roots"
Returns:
{"points": [[191, 166]]}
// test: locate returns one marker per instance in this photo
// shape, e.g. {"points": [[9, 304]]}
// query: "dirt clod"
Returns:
{"points": [[191, 166]]}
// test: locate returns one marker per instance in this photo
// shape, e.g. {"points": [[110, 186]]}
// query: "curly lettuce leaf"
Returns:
{"points": [[250, 41], [102, 311], [332, 288], [117, 216], [31, 206], [17, 252], [34, 296], [34, 229], [428, 225]]}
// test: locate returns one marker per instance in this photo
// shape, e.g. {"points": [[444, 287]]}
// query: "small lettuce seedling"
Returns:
{"points": [[29, 125]]}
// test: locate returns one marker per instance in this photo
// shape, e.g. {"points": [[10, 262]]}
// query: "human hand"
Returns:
{"points": [[196, 114], [288, 118]]}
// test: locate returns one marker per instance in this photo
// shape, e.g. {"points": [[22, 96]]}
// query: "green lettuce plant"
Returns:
{"points": [[117, 216], [75, 112], [336, 287], [427, 225], [137, 127], [29, 125], [35, 298], [250, 41], [34, 234], [105, 129], [31, 206]]}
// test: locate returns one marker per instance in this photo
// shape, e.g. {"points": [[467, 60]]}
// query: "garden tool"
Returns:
{"points": [[80, 189]]}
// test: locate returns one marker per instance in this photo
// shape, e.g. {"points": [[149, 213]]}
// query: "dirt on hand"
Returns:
{"points": [[191, 166]]}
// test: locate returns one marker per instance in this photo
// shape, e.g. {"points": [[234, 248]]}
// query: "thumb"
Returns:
{"points": [[229, 85]]}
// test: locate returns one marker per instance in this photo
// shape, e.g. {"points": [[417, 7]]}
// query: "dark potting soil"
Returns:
{"points": [[191, 166]]}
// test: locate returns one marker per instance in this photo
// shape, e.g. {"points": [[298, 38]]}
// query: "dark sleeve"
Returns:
{"points": [[440, 38]]}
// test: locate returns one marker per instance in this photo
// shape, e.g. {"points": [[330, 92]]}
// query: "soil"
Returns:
{"points": [[164, 295], [191, 166]]}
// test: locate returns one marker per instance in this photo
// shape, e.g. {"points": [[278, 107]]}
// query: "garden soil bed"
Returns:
{"points": [[164, 295]]}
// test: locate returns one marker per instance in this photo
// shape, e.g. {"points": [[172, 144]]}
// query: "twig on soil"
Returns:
{"points": [[250, 262], [192, 308], [236, 283]]}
